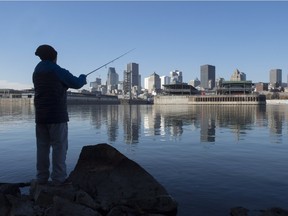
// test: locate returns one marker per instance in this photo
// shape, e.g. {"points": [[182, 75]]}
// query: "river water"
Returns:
{"points": [[209, 158]]}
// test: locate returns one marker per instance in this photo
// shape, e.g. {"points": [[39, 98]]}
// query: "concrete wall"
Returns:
{"points": [[190, 100], [16, 100], [91, 100]]}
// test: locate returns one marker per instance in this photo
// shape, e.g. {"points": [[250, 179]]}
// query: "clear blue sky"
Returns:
{"points": [[167, 35]]}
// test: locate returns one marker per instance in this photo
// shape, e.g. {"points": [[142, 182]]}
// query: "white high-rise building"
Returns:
{"points": [[153, 83], [112, 79], [176, 77], [276, 77], [165, 80], [238, 76], [96, 85], [195, 83]]}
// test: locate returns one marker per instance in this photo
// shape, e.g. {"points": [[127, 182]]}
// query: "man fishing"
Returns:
{"points": [[51, 83]]}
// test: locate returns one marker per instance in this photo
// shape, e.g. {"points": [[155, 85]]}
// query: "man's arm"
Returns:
{"points": [[70, 80]]}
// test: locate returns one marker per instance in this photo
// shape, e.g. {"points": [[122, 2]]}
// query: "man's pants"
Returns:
{"points": [[55, 136]]}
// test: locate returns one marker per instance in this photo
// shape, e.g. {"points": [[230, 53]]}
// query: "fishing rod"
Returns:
{"points": [[109, 62]]}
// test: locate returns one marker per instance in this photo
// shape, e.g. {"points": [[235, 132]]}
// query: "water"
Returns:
{"points": [[209, 158]]}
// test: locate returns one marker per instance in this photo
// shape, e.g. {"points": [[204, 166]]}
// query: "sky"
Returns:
{"points": [[251, 36]]}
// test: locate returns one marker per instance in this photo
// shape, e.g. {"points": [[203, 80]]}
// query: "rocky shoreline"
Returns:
{"points": [[103, 183]]}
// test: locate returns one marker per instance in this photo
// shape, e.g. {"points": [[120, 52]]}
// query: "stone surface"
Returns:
{"points": [[62, 206], [20, 205], [85, 199], [5, 206], [43, 194], [240, 211], [112, 179], [274, 212], [12, 189]]}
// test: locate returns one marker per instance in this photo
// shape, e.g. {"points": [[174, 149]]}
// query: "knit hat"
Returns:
{"points": [[46, 52]]}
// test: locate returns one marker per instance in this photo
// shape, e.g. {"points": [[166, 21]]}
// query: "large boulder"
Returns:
{"points": [[112, 179]]}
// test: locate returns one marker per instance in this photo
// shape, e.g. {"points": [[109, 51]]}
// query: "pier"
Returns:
{"points": [[210, 99]]}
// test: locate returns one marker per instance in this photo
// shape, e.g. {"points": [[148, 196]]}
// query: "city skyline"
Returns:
{"points": [[167, 36], [105, 81]]}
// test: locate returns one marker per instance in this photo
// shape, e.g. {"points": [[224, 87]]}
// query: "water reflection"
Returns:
{"points": [[15, 113], [177, 121], [174, 121], [209, 118]]}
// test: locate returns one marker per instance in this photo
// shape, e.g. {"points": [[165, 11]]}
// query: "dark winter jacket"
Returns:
{"points": [[51, 83]]}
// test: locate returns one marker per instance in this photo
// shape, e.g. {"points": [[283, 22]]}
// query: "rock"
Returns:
{"points": [[5, 206], [83, 198], [122, 210], [21, 206], [8, 188], [43, 194], [114, 180], [239, 211], [65, 207], [274, 212]]}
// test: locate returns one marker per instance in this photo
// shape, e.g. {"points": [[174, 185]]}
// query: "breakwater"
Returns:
{"points": [[16, 101], [114, 100], [210, 99], [80, 100], [283, 101], [103, 99]]}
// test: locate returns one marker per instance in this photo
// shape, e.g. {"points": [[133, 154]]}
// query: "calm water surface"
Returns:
{"points": [[209, 158]]}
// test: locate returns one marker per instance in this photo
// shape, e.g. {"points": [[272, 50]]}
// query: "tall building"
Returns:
{"points": [[139, 82], [131, 77], [96, 85], [120, 86], [126, 82], [176, 77], [133, 68], [276, 77], [153, 83], [165, 80], [195, 82], [238, 76], [207, 76], [112, 79]]}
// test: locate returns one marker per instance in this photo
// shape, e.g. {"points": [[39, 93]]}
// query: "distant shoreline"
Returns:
{"points": [[75, 102], [277, 101], [78, 101]]}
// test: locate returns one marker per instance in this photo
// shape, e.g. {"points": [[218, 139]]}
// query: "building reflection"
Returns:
{"points": [[276, 119], [15, 112], [151, 122], [207, 119], [167, 121], [112, 122], [131, 123], [175, 121], [207, 123], [173, 118]]}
